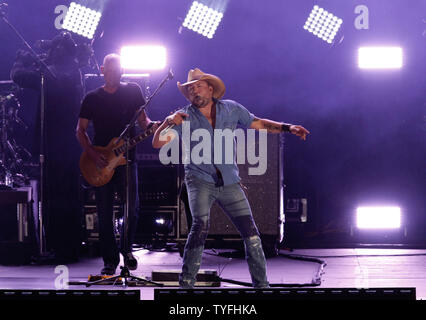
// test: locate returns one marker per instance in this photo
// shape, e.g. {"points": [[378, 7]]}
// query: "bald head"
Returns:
{"points": [[112, 70], [112, 58]]}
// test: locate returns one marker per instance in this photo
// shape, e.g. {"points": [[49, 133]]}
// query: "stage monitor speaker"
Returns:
{"points": [[265, 195], [170, 278]]}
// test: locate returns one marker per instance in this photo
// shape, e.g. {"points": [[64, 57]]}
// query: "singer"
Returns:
{"points": [[210, 182], [111, 107]]}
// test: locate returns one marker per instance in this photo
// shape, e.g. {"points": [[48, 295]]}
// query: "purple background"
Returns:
{"points": [[367, 142]]}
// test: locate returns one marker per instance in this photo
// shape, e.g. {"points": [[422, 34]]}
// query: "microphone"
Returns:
{"points": [[170, 75], [164, 131], [167, 78]]}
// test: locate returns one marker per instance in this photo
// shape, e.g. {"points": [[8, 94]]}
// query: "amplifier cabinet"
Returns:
{"points": [[91, 226], [265, 194], [14, 214], [17, 233], [158, 185]]}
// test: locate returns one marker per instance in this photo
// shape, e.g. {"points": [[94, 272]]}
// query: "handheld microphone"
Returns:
{"points": [[170, 126]]}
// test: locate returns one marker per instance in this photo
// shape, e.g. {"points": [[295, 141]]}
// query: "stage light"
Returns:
{"points": [[378, 217], [202, 19], [380, 57], [163, 224], [160, 221], [323, 24], [143, 57], [81, 20]]}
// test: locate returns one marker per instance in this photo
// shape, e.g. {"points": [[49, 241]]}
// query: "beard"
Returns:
{"points": [[200, 102]]}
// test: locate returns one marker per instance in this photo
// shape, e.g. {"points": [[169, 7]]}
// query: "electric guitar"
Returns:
{"points": [[114, 153]]}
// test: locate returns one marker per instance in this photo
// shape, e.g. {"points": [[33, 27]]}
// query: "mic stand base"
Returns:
{"points": [[125, 275]]}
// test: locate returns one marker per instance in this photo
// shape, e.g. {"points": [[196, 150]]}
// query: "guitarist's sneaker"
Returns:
{"points": [[130, 261], [108, 269]]}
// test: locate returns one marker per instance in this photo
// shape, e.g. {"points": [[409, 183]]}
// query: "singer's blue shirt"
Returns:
{"points": [[229, 115]]}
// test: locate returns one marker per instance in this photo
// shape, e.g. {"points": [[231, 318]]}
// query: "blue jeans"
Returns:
{"points": [[232, 199]]}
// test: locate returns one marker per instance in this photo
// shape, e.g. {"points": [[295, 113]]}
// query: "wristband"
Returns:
{"points": [[285, 127]]}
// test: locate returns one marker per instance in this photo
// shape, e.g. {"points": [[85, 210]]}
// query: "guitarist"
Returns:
{"points": [[110, 108]]}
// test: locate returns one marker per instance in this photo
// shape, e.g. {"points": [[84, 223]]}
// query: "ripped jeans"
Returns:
{"points": [[232, 199]]}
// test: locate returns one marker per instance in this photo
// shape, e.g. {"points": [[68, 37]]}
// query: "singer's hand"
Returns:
{"points": [[299, 131], [176, 118]]}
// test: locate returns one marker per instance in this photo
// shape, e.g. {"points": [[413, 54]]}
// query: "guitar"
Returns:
{"points": [[114, 153]]}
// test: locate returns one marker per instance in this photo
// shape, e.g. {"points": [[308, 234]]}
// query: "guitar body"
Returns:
{"points": [[114, 153], [96, 176]]}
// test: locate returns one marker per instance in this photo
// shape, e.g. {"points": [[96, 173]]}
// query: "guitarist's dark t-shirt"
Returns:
{"points": [[111, 112]]}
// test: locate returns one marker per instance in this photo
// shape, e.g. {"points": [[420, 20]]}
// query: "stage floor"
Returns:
{"points": [[345, 268]]}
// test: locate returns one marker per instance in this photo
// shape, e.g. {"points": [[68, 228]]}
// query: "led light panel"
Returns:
{"points": [[81, 20], [378, 217], [380, 57], [323, 24], [202, 19], [143, 57]]}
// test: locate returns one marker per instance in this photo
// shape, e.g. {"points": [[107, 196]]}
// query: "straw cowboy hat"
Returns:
{"points": [[195, 75]]}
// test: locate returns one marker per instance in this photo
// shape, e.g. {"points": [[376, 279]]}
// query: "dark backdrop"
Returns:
{"points": [[367, 142]]}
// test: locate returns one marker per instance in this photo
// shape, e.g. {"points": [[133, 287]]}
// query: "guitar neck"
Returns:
{"points": [[134, 141]]}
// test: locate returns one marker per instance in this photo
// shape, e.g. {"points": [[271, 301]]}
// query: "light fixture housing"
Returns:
{"points": [[202, 19], [323, 24], [81, 20]]}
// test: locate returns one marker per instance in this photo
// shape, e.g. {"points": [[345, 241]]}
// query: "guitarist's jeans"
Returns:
{"points": [[232, 199], [105, 201]]}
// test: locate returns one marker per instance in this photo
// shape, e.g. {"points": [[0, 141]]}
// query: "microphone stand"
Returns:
{"points": [[93, 57], [44, 70], [125, 135]]}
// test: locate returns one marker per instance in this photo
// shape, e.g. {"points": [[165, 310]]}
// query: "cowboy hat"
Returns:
{"points": [[195, 75]]}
